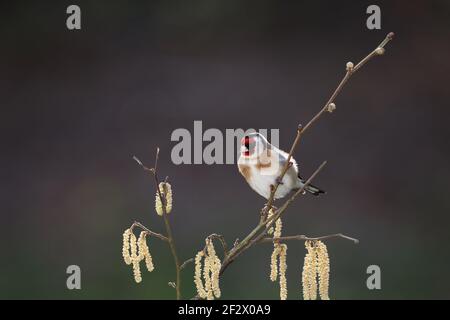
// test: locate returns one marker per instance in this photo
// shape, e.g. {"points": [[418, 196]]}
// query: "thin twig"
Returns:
{"points": [[256, 235], [166, 221], [305, 238], [139, 162], [184, 264], [301, 130], [222, 242], [149, 232]]}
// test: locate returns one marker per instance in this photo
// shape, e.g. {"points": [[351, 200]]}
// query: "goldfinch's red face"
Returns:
{"points": [[248, 145]]}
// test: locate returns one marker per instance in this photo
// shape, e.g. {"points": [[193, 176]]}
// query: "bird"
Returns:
{"points": [[261, 164]]}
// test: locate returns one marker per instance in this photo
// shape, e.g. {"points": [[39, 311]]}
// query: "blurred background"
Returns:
{"points": [[76, 105]]}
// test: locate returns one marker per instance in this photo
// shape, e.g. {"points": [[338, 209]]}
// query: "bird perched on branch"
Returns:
{"points": [[261, 164]]}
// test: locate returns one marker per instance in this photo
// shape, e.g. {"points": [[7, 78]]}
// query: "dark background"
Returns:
{"points": [[76, 105]]}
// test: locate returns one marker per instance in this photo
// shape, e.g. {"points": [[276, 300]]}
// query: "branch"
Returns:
{"points": [[257, 234], [283, 208], [148, 231], [211, 237], [222, 242], [170, 238], [263, 226], [350, 70], [305, 238], [184, 264]]}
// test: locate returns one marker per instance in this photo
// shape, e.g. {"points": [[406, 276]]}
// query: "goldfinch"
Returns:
{"points": [[262, 163]]}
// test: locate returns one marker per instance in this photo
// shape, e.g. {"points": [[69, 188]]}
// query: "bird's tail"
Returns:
{"points": [[310, 188], [314, 190]]}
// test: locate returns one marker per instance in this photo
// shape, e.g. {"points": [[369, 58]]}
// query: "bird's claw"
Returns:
{"points": [[279, 181]]}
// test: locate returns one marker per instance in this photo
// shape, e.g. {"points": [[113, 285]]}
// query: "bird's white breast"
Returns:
{"points": [[261, 178]]}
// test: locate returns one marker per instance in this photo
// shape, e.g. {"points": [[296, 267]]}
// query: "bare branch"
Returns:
{"points": [[149, 232], [375, 52], [139, 162], [301, 130], [166, 220], [184, 264], [156, 159], [305, 238], [222, 242], [256, 235], [250, 240]]}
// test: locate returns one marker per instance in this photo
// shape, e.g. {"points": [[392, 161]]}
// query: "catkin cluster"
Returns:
{"points": [[278, 265], [271, 229], [134, 251], [316, 267], [166, 193], [209, 288]]}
